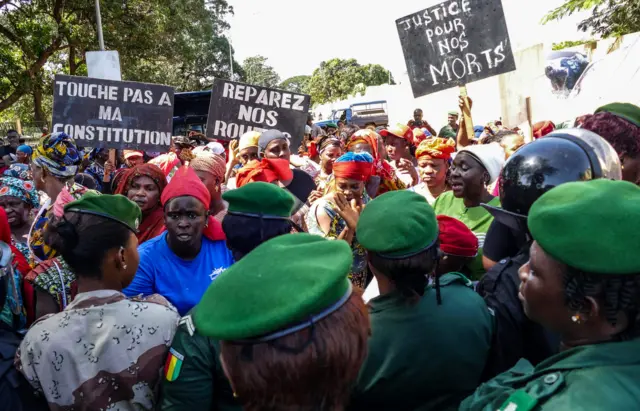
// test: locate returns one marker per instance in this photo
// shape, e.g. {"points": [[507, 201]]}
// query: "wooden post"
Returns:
{"points": [[529, 117], [112, 159], [18, 126], [466, 113]]}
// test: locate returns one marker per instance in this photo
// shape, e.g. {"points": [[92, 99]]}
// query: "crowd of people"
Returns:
{"points": [[383, 268]]}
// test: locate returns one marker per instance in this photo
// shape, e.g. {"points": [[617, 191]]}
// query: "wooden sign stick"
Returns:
{"points": [[112, 159], [466, 113]]}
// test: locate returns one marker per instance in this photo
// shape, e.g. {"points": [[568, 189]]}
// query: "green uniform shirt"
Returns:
{"points": [[476, 218], [598, 377], [197, 382], [425, 356]]}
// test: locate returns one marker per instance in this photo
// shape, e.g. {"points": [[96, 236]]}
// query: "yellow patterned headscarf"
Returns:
{"points": [[436, 148]]}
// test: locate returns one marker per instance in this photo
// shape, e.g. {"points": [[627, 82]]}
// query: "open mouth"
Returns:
{"points": [[184, 237], [457, 186], [140, 203]]}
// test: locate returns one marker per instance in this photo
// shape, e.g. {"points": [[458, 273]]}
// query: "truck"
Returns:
{"points": [[190, 112], [360, 114]]}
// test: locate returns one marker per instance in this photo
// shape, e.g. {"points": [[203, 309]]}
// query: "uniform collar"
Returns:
{"points": [[588, 356]]}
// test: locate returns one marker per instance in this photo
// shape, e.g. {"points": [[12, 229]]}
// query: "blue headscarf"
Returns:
{"points": [[362, 157], [25, 149], [58, 154], [24, 190]]}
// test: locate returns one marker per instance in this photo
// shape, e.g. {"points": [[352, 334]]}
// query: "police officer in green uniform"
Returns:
{"points": [[257, 212], [583, 282], [297, 337], [429, 342]]}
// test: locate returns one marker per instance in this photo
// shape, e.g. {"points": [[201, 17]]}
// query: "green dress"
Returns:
{"points": [[477, 219], [598, 377], [425, 356], [198, 382]]}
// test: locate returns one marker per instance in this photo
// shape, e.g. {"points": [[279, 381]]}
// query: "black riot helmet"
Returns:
{"points": [[559, 157]]}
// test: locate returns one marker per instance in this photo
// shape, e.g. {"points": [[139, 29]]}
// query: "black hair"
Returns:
{"points": [[617, 293], [84, 239], [245, 233], [86, 180], [499, 136], [348, 131], [411, 274]]}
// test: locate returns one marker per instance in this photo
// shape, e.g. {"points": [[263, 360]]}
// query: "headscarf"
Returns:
{"points": [[25, 149], [436, 147], [388, 178], [491, 157], [355, 166], [267, 137], [24, 190], [268, 170], [249, 139], [58, 155], [209, 163], [543, 128], [418, 136], [328, 141], [21, 171], [185, 183], [152, 224]]}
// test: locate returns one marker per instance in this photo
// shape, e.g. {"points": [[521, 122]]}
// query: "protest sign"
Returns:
{"points": [[454, 43], [113, 114], [236, 108]]}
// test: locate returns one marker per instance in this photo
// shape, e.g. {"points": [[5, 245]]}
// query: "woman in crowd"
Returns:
{"points": [[144, 184], [335, 216], [19, 170], [181, 152], [103, 351], [329, 149], [257, 213], [303, 353], [473, 170], [398, 141], [18, 310], [181, 263], [433, 155], [619, 124], [415, 357], [133, 158], [210, 169], [99, 162], [19, 198], [384, 177], [586, 291], [54, 163], [23, 154]]}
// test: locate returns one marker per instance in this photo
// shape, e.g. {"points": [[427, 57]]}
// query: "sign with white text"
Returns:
{"points": [[113, 114], [236, 108], [454, 43]]}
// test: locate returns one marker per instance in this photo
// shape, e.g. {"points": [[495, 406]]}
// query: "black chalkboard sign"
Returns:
{"points": [[236, 108], [454, 43], [113, 114]]}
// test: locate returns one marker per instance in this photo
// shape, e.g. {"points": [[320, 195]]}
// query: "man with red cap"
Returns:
{"points": [[181, 263]]}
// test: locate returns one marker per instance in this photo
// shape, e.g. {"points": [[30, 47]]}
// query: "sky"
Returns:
{"points": [[296, 37]]}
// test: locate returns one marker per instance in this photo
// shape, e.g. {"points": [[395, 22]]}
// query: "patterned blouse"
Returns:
{"points": [[358, 274], [103, 352]]}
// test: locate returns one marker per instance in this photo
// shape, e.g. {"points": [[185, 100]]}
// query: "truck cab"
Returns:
{"points": [[361, 114]]}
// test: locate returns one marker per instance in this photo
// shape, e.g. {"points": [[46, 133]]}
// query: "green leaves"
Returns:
{"points": [[296, 84], [338, 79], [258, 72]]}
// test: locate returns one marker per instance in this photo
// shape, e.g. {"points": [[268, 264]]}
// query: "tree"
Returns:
{"points": [[296, 84], [176, 42], [337, 79], [259, 73], [608, 18]]}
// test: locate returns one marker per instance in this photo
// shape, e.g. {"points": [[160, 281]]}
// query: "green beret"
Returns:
{"points": [[276, 289], [260, 198], [626, 111], [591, 226], [453, 113], [397, 224], [114, 207]]}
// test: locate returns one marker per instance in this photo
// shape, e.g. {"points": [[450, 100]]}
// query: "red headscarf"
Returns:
{"points": [[543, 128], [185, 183], [20, 262], [152, 224], [388, 178], [456, 238], [268, 170]]}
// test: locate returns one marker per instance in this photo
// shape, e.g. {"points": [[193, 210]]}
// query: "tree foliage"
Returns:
{"points": [[608, 17], [296, 84], [258, 72], [176, 42], [338, 79]]}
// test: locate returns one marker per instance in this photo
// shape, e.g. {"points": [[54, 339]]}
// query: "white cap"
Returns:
{"points": [[491, 156]]}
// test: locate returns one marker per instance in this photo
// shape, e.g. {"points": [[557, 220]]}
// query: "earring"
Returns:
{"points": [[576, 318], [124, 267]]}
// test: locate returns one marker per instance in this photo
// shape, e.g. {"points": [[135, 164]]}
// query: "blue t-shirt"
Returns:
{"points": [[181, 282]]}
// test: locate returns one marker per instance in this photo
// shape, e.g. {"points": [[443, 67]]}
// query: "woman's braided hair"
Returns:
{"points": [[617, 293]]}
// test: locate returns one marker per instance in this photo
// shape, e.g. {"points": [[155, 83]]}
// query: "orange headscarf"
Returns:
{"points": [[436, 147], [268, 170]]}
